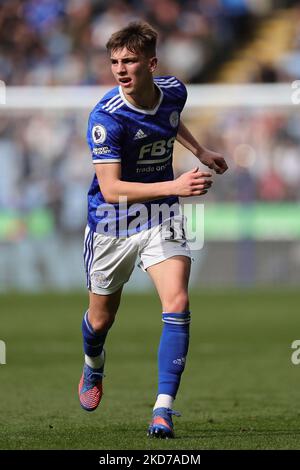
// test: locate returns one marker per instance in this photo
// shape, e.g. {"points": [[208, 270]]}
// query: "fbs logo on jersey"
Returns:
{"points": [[140, 135], [174, 119], [99, 134]]}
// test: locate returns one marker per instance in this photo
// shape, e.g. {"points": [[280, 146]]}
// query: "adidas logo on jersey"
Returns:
{"points": [[140, 135]]}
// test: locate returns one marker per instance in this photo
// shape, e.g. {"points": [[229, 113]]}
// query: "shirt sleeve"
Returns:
{"points": [[181, 94], [104, 136]]}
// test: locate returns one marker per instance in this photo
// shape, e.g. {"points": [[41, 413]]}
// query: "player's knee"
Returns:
{"points": [[177, 303], [102, 324]]}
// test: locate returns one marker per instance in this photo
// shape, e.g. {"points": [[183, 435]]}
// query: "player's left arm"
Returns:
{"points": [[212, 159]]}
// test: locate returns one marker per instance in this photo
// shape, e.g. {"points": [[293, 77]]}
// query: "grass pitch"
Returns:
{"points": [[240, 389]]}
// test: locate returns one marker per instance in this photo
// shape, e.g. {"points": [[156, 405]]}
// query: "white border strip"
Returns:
{"points": [[199, 96]]}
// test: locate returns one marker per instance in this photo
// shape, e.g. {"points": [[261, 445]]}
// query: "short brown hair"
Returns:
{"points": [[136, 37]]}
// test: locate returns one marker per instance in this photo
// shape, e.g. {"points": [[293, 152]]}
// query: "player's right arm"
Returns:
{"points": [[191, 183], [106, 139]]}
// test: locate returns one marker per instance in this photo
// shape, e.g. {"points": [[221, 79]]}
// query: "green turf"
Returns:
{"points": [[239, 391]]}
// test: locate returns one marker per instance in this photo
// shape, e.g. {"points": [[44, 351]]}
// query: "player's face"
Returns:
{"points": [[133, 71]]}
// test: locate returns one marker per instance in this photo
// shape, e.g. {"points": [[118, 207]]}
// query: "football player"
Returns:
{"points": [[132, 199]]}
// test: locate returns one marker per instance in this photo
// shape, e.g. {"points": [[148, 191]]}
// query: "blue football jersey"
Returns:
{"points": [[142, 142]]}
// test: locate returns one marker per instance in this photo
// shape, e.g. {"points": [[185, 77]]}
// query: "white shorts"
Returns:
{"points": [[109, 261]]}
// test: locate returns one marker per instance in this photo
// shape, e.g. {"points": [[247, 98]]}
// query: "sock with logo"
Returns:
{"points": [[92, 344], [172, 354]]}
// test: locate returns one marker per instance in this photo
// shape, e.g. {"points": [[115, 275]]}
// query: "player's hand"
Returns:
{"points": [[213, 160], [192, 183]]}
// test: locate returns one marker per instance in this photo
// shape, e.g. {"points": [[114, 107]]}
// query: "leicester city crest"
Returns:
{"points": [[174, 119], [99, 279], [99, 134]]}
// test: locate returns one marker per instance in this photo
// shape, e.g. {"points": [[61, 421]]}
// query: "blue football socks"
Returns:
{"points": [[92, 342], [172, 351]]}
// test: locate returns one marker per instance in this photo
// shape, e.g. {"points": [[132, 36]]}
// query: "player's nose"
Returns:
{"points": [[120, 68]]}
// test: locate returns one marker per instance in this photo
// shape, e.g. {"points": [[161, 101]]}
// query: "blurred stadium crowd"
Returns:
{"points": [[45, 163], [46, 171], [262, 150], [62, 42]]}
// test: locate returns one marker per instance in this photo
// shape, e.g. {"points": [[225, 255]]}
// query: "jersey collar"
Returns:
{"points": [[140, 110]]}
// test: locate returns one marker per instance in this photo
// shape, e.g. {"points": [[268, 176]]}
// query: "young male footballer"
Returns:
{"points": [[133, 196]]}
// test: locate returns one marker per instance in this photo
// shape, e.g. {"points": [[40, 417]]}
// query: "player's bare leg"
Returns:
{"points": [[103, 309], [96, 323], [171, 279]]}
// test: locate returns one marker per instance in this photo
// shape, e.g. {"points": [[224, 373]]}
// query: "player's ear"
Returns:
{"points": [[152, 64]]}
